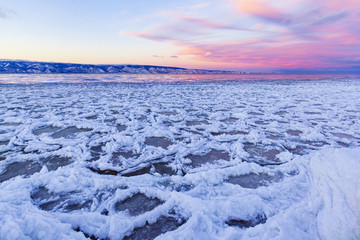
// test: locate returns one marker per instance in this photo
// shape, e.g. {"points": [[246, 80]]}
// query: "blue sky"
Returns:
{"points": [[248, 35]]}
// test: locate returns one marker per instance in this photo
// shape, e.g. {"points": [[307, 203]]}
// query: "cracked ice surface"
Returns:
{"points": [[231, 160]]}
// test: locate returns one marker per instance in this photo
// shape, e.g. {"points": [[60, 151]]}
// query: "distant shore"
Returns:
{"points": [[17, 66]]}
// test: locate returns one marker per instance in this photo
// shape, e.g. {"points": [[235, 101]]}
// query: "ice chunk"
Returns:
{"points": [[20, 168], [49, 201], [195, 123], [69, 132], [158, 142], [259, 219], [45, 129], [137, 204], [254, 180], [151, 231], [211, 157]]}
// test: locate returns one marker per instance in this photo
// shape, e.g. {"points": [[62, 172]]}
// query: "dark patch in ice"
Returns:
{"points": [[179, 187], [54, 162], [105, 212], [116, 158], [229, 133], [69, 132], [195, 123], [137, 204], [298, 150], [229, 120], [104, 172], [260, 122], [222, 110], [151, 231], [202, 115], [96, 152], [210, 157], [49, 201], [20, 168], [312, 113], [89, 236], [191, 110], [263, 163], [183, 187], [167, 123], [280, 113], [273, 137], [163, 169], [70, 205], [46, 200], [241, 223], [255, 114], [141, 171], [295, 133], [110, 120], [45, 129], [93, 117], [41, 193], [141, 118], [168, 113], [289, 107], [195, 132], [261, 152], [48, 206], [162, 142], [126, 155], [10, 124], [30, 167], [4, 142], [254, 180], [341, 144], [343, 135], [121, 127]]}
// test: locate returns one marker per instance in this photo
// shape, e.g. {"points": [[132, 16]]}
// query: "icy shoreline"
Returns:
{"points": [[255, 160]]}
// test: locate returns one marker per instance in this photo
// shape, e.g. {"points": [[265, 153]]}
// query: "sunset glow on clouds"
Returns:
{"points": [[248, 35], [268, 35]]}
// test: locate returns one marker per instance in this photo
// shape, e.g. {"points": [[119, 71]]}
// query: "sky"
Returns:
{"points": [[243, 35]]}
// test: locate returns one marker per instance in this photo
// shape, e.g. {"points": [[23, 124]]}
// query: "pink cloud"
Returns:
{"points": [[262, 9], [319, 35]]}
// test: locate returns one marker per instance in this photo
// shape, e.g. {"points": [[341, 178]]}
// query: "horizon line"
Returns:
{"points": [[280, 71]]}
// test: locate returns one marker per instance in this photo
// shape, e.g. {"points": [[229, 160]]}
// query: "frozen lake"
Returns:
{"points": [[179, 156]]}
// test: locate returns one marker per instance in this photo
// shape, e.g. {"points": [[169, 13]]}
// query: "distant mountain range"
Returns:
{"points": [[22, 66]]}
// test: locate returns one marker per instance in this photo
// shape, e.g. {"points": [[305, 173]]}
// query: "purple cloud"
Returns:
{"points": [[317, 36]]}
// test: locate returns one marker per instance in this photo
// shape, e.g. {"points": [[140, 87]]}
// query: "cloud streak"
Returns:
{"points": [[209, 24]]}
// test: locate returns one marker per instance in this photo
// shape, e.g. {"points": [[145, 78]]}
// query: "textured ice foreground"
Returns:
{"points": [[232, 160]]}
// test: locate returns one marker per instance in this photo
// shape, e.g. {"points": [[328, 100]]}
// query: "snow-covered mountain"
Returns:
{"points": [[21, 66]]}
